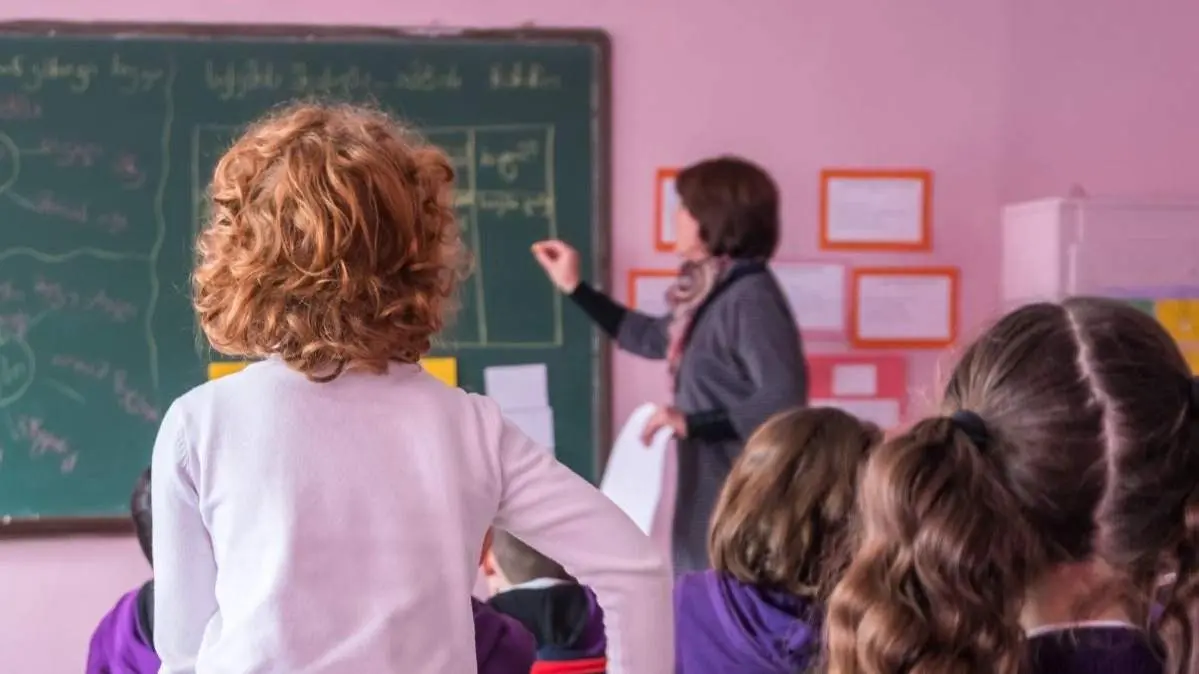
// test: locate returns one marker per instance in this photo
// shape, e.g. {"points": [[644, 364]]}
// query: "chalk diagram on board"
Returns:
{"points": [[71, 202]]}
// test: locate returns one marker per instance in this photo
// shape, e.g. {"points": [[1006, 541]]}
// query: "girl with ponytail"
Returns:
{"points": [[1024, 529]]}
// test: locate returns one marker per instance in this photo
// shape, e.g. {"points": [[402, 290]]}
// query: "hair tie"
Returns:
{"points": [[972, 425]]}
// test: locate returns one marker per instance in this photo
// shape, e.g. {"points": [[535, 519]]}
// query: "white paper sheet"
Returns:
{"points": [[669, 205], [905, 307], [875, 210], [536, 422], [882, 412], [816, 293], [651, 294], [633, 478], [517, 387], [856, 379]]}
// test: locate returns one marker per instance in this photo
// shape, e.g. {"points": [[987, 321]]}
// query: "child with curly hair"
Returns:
{"points": [[778, 541], [323, 510]]}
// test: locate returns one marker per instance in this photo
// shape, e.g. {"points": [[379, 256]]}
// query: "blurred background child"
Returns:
{"points": [[778, 541], [123, 642], [559, 612]]}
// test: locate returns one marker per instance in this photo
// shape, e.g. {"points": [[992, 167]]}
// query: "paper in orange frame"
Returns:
{"points": [[892, 373], [926, 232], [635, 274], [664, 176], [856, 276], [779, 267]]}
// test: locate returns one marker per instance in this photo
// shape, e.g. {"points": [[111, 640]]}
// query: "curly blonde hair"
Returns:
{"points": [[332, 243]]}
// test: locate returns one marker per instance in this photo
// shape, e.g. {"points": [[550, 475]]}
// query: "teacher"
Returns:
{"points": [[730, 340]]}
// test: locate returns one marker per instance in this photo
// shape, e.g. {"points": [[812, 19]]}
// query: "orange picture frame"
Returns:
{"points": [[859, 341], [924, 240], [665, 201], [664, 276]]}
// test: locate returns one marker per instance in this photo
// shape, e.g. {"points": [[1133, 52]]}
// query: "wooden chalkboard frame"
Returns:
{"points": [[601, 179]]}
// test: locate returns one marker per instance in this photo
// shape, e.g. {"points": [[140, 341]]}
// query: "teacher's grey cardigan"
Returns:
{"points": [[742, 362]]}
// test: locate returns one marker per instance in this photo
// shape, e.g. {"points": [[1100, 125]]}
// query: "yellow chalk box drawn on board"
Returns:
{"points": [[445, 369], [218, 370], [1180, 318]]}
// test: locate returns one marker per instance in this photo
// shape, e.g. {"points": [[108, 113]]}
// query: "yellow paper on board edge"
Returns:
{"points": [[445, 369], [1180, 318], [1192, 357], [218, 370]]}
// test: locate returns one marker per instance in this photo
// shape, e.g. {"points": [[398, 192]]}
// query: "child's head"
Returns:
{"points": [[783, 519], [508, 562], [331, 243], [143, 522], [1067, 436]]}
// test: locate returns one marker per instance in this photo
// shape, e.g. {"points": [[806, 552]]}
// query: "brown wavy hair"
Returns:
{"points": [[331, 242], [1090, 454], [784, 516]]}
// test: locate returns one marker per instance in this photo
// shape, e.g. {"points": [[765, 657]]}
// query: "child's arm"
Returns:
{"points": [[549, 507], [184, 568]]}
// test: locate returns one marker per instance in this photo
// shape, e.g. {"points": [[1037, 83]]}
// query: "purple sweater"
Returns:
{"points": [[723, 625], [119, 644], [502, 645], [1094, 650]]}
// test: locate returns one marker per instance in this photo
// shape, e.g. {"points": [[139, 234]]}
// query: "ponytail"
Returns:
{"points": [[945, 557], [1176, 625]]}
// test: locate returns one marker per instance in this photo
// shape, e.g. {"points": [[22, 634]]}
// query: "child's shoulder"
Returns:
{"points": [[273, 380], [218, 387]]}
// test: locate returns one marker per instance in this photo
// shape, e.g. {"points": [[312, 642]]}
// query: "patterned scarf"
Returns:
{"points": [[694, 284]]}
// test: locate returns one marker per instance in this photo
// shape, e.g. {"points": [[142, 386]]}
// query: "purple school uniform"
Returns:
{"points": [[502, 645], [723, 625], [119, 644], [1094, 650], [563, 617]]}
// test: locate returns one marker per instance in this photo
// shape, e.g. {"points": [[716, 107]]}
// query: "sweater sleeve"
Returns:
{"points": [[184, 565], [639, 334], [605, 312], [712, 425], [549, 507]]}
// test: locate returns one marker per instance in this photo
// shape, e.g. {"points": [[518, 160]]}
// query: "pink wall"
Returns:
{"points": [[1104, 95], [999, 98]]}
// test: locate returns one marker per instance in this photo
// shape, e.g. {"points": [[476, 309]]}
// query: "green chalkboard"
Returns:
{"points": [[108, 135]]}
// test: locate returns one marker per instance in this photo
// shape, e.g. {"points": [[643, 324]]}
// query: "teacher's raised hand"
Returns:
{"points": [[560, 262]]}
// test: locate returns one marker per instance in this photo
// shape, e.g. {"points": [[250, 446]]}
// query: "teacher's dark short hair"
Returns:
{"points": [[736, 204]]}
